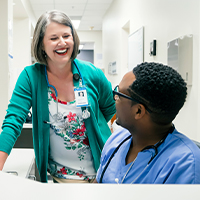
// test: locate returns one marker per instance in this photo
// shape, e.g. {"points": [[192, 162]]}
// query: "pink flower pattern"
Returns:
{"points": [[71, 116]]}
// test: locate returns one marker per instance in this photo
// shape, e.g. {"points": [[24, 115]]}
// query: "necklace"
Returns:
{"points": [[128, 170]]}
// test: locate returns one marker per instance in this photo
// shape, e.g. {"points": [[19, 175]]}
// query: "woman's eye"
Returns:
{"points": [[53, 38], [66, 36]]}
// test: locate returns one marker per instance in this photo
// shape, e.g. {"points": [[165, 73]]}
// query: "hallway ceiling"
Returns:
{"points": [[90, 12]]}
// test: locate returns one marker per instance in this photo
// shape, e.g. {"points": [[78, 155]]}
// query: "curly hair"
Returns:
{"points": [[160, 88]]}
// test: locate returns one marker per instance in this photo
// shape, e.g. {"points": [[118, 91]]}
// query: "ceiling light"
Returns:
{"points": [[76, 23]]}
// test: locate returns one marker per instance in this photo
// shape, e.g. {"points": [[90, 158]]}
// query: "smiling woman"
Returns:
{"points": [[69, 131], [56, 18], [58, 45]]}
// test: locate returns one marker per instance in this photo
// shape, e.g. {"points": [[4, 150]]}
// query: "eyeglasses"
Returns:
{"points": [[117, 94]]}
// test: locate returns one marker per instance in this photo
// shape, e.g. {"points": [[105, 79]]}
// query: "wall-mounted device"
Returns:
{"points": [[112, 68], [180, 56], [153, 48]]}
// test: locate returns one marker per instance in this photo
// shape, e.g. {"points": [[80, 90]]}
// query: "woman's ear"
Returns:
{"points": [[140, 111]]}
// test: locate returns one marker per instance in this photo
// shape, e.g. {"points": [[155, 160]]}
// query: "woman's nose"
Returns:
{"points": [[61, 41]]}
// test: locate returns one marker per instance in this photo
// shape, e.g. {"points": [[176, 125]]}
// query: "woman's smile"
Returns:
{"points": [[62, 52]]}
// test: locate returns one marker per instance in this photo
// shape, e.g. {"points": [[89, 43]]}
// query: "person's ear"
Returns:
{"points": [[140, 111]]}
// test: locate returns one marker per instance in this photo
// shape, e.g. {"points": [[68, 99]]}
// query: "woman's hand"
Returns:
{"points": [[3, 157]]}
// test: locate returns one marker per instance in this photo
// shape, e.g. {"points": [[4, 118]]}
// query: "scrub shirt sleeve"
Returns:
{"points": [[180, 171], [113, 141], [99, 172], [106, 101], [101, 167]]}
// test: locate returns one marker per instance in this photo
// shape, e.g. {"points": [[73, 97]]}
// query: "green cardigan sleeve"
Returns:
{"points": [[17, 111], [106, 101]]}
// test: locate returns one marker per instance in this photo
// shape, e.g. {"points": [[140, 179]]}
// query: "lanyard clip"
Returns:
{"points": [[80, 82]]}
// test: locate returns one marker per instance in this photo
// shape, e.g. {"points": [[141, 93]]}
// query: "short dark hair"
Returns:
{"points": [[39, 32], [161, 88]]}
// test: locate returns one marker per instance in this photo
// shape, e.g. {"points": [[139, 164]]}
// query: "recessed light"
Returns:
{"points": [[76, 23]]}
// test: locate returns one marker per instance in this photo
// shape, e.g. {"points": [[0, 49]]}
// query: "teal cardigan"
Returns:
{"points": [[31, 91]]}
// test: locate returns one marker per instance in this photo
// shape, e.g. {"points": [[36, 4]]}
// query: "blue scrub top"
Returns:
{"points": [[177, 161]]}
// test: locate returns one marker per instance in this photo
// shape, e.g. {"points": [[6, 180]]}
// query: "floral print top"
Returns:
{"points": [[70, 155]]}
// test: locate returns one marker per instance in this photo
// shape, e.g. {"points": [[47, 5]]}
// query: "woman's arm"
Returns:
{"points": [[106, 101], [17, 111], [3, 157]]}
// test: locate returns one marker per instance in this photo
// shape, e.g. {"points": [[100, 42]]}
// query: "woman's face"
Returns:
{"points": [[58, 44]]}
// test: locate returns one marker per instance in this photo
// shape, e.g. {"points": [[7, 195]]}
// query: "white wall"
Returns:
{"points": [[29, 11], [21, 48], [6, 48], [164, 20], [96, 37]]}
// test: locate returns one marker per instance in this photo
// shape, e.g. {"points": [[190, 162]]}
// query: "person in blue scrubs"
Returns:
{"points": [[147, 148]]}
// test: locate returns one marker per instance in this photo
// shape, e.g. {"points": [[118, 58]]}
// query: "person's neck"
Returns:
{"points": [[59, 71], [150, 135], [145, 136]]}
